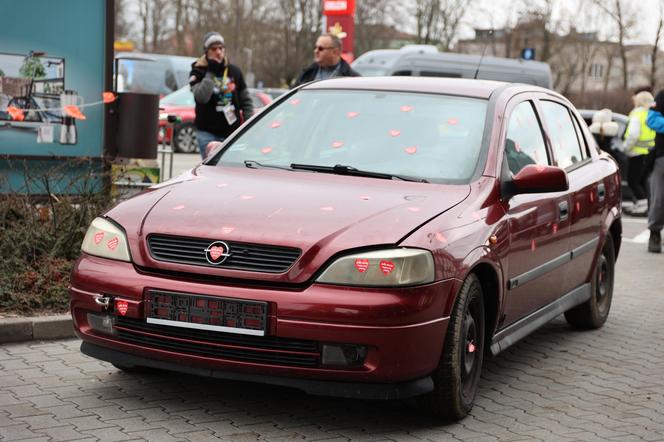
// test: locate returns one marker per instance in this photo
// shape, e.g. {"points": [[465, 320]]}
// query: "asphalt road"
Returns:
{"points": [[557, 384]]}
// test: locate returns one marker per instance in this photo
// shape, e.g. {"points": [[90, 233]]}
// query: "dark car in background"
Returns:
{"points": [[181, 104], [616, 144], [362, 237]]}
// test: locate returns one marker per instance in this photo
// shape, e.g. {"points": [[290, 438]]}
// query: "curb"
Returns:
{"points": [[36, 328]]}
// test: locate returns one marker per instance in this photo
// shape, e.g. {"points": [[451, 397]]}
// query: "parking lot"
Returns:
{"points": [[557, 384]]}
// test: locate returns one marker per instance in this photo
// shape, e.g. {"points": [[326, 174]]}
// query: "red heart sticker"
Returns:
{"points": [[395, 133], [352, 114], [361, 264], [440, 237], [98, 237], [113, 243], [216, 252], [386, 267], [554, 228], [275, 124], [453, 121], [411, 150], [406, 108], [121, 306], [337, 144], [266, 150], [540, 168]]}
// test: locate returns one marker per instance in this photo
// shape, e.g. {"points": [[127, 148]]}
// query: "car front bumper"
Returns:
{"points": [[403, 331]]}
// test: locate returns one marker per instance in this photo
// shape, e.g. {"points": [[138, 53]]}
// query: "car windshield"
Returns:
{"points": [[181, 97], [429, 137]]}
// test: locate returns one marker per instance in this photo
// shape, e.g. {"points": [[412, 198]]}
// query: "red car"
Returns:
{"points": [[361, 237], [181, 104]]}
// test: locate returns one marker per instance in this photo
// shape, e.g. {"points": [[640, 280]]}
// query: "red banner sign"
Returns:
{"points": [[339, 7]]}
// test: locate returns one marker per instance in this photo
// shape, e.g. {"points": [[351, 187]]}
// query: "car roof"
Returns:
{"points": [[447, 86]]}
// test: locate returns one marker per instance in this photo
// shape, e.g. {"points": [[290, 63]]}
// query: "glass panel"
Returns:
{"points": [[434, 137], [524, 144], [561, 131]]}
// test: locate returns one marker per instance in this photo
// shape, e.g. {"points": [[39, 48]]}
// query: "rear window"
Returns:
{"points": [[433, 137], [181, 97]]}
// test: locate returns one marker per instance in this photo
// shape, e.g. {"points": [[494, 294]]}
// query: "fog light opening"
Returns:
{"points": [[344, 354], [101, 323]]}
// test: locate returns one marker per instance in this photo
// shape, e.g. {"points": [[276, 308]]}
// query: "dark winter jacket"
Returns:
{"points": [[212, 93], [309, 73], [655, 121]]}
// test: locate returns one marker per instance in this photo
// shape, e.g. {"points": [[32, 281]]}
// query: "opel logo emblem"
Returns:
{"points": [[217, 252]]}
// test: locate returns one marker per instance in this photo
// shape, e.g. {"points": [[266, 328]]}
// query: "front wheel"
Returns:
{"points": [[457, 377], [593, 313]]}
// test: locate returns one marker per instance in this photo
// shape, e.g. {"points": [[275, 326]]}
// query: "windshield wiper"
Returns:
{"points": [[253, 164], [341, 169]]}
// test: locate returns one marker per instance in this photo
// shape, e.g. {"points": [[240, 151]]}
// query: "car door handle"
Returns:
{"points": [[601, 192], [563, 210]]}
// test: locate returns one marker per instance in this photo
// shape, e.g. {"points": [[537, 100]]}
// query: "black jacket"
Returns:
{"points": [[659, 137], [309, 73], [205, 83]]}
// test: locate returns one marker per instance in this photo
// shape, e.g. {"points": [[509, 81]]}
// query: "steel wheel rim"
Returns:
{"points": [[602, 283], [187, 139], [470, 357]]}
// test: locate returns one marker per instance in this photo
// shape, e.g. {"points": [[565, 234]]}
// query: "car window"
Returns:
{"points": [[563, 137], [434, 137], [580, 137], [524, 143]]}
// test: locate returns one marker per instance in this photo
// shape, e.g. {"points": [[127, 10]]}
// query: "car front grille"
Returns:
{"points": [[243, 256], [263, 350]]}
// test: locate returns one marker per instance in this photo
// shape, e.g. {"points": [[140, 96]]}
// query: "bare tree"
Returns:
{"points": [[623, 17], [437, 21]]}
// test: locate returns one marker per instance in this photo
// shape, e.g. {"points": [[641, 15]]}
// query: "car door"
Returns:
{"points": [[538, 223], [588, 192]]}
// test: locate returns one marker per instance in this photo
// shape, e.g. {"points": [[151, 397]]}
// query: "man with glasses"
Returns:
{"points": [[220, 92], [327, 61]]}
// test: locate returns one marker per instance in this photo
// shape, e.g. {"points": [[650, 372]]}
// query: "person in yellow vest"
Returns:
{"points": [[639, 139]]}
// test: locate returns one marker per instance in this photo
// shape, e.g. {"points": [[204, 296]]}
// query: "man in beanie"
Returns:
{"points": [[220, 92], [327, 61]]}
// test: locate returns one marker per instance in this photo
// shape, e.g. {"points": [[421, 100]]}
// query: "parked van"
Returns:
{"points": [[152, 73], [426, 61]]}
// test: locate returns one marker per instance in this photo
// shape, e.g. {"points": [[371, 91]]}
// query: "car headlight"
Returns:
{"points": [[106, 240], [391, 267]]}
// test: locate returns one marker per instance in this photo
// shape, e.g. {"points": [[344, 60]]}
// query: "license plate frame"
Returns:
{"points": [[204, 312]]}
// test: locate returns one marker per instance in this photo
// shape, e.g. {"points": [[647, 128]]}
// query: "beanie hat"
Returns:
{"points": [[643, 99], [212, 38]]}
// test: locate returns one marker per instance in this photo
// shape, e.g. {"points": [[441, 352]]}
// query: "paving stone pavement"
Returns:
{"points": [[558, 384]]}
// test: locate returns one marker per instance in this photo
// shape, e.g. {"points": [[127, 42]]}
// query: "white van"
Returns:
{"points": [[426, 61]]}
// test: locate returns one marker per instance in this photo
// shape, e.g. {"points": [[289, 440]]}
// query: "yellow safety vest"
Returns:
{"points": [[646, 139]]}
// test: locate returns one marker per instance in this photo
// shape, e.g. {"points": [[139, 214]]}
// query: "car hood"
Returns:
{"points": [[320, 214]]}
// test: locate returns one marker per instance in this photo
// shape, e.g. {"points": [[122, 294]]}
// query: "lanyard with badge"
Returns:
{"points": [[225, 102]]}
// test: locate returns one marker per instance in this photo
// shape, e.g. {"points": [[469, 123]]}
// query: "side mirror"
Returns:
{"points": [[535, 178]]}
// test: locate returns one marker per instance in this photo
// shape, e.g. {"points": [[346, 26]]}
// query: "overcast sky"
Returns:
{"points": [[495, 13]]}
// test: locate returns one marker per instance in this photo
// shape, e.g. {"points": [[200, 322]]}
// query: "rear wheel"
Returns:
{"points": [[458, 373], [185, 139], [594, 312]]}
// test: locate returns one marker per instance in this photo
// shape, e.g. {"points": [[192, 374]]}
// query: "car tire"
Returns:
{"points": [[457, 377], [593, 313], [184, 139]]}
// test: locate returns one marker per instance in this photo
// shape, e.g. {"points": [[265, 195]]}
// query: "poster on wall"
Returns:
{"points": [[54, 69]]}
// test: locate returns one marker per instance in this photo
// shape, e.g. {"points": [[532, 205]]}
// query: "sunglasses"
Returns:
{"points": [[322, 48]]}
